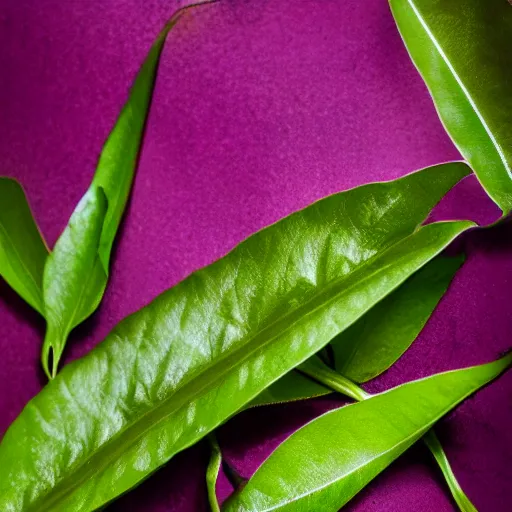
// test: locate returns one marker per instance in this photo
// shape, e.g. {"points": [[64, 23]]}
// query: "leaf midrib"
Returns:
{"points": [[202, 375]]}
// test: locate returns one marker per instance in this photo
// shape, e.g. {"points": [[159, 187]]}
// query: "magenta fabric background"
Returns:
{"points": [[260, 108]]}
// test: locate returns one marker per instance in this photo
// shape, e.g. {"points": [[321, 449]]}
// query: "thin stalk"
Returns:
{"points": [[212, 472], [432, 441], [320, 372]]}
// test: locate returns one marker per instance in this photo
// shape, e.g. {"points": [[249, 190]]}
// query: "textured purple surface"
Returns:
{"points": [[260, 108]]}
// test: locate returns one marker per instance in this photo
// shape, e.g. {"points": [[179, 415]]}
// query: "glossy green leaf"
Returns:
{"points": [[378, 339], [320, 372], [172, 372], [23, 251], [324, 464], [463, 50], [74, 277], [76, 273]]}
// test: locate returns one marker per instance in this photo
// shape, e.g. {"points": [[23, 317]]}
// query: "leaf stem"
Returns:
{"points": [[212, 472], [322, 373], [317, 370], [434, 445]]}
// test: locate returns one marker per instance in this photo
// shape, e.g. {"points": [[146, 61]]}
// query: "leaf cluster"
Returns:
{"points": [[320, 302]]}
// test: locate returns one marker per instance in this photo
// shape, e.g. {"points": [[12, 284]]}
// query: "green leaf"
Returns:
{"points": [[463, 50], [74, 277], [23, 250], [378, 339], [319, 371], [212, 472], [327, 462], [172, 372], [76, 274]]}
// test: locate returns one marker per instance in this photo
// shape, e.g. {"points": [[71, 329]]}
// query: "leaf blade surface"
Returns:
{"points": [[76, 274], [172, 372], [378, 339], [23, 251], [308, 473], [463, 50]]}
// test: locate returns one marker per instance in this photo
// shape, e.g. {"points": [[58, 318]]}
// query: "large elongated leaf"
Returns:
{"points": [[325, 463], [77, 271], [463, 50], [23, 251], [175, 370], [373, 343]]}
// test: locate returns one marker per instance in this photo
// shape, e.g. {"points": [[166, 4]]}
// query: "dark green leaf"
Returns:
{"points": [[23, 251], [325, 463], [76, 274], [463, 50], [373, 343], [172, 372]]}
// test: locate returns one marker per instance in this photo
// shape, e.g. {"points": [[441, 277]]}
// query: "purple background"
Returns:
{"points": [[260, 108]]}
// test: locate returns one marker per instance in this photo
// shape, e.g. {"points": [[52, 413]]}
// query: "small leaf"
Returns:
{"points": [[76, 274], [174, 371], [378, 339], [463, 50], [74, 277], [23, 250], [328, 461]]}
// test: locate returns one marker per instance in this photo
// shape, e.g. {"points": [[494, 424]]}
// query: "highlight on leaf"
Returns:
{"points": [[171, 373], [307, 473]]}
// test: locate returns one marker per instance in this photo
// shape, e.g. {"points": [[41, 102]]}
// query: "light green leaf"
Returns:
{"points": [[378, 339], [317, 370], [23, 250], [327, 462], [74, 277], [463, 50], [172, 372], [76, 274]]}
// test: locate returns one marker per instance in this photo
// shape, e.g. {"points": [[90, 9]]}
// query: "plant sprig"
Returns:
{"points": [[244, 331]]}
